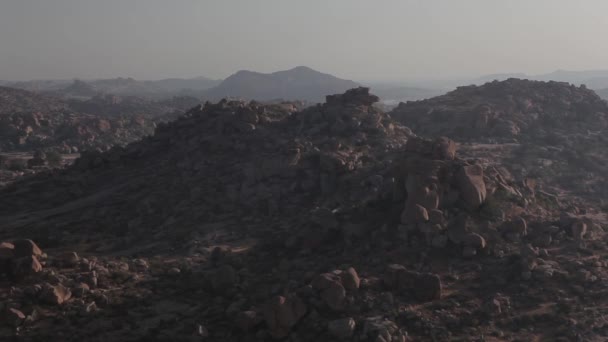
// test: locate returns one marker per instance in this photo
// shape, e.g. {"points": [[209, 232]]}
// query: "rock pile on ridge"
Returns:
{"points": [[226, 158], [244, 222], [507, 110]]}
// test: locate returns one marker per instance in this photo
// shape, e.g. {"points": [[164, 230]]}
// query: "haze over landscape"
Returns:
{"points": [[275, 170], [368, 41]]}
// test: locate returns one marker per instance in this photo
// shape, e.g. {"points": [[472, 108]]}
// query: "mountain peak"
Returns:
{"points": [[299, 83]]}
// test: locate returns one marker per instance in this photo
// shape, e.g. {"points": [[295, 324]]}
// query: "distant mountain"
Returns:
{"points": [[178, 85], [300, 83]]}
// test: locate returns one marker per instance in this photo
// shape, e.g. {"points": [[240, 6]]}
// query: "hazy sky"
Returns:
{"points": [[355, 39]]}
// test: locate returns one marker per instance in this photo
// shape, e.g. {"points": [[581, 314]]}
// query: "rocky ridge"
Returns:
{"points": [[507, 110], [241, 222]]}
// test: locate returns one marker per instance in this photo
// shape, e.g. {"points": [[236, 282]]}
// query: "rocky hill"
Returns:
{"points": [[505, 111], [31, 121], [300, 83], [241, 221]]}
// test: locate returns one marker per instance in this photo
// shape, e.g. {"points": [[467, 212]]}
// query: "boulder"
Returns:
{"points": [[7, 251], [474, 240], [355, 96], [24, 248], [444, 149], [25, 266], [579, 229], [325, 280], [331, 289], [342, 328], [68, 259], [55, 295], [281, 314], [334, 296], [350, 279], [469, 180], [515, 229], [414, 214]]}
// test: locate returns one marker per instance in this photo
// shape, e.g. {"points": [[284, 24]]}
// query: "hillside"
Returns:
{"points": [[31, 121], [511, 109], [300, 83], [241, 221], [552, 132]]}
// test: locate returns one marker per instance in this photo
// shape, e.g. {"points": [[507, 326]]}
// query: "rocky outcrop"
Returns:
{"points": [[506, 110], [243, 221]]}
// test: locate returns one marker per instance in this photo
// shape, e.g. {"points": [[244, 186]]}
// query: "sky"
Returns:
{"points": [[353, 39]]}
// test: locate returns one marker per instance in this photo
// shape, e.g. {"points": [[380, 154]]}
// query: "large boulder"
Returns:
{"points": [[24, 248], [7, 252], [469, 180], [55, 295], [282, 313], [356, 96], [331, 289]]}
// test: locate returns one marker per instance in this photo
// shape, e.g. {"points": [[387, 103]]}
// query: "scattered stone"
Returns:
{"points": [[342, 328], [69, 259], [80, 290], [55, 295], [7, 251]]}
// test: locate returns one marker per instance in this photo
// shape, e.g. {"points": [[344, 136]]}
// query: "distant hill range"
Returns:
{"points": [[300, 83], [594, 79], [158, 90]]}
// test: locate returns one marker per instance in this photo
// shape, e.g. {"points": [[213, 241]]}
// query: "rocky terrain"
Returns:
{"points": [[507, 111], [248, 222], [549, 131], [30, 121]]}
